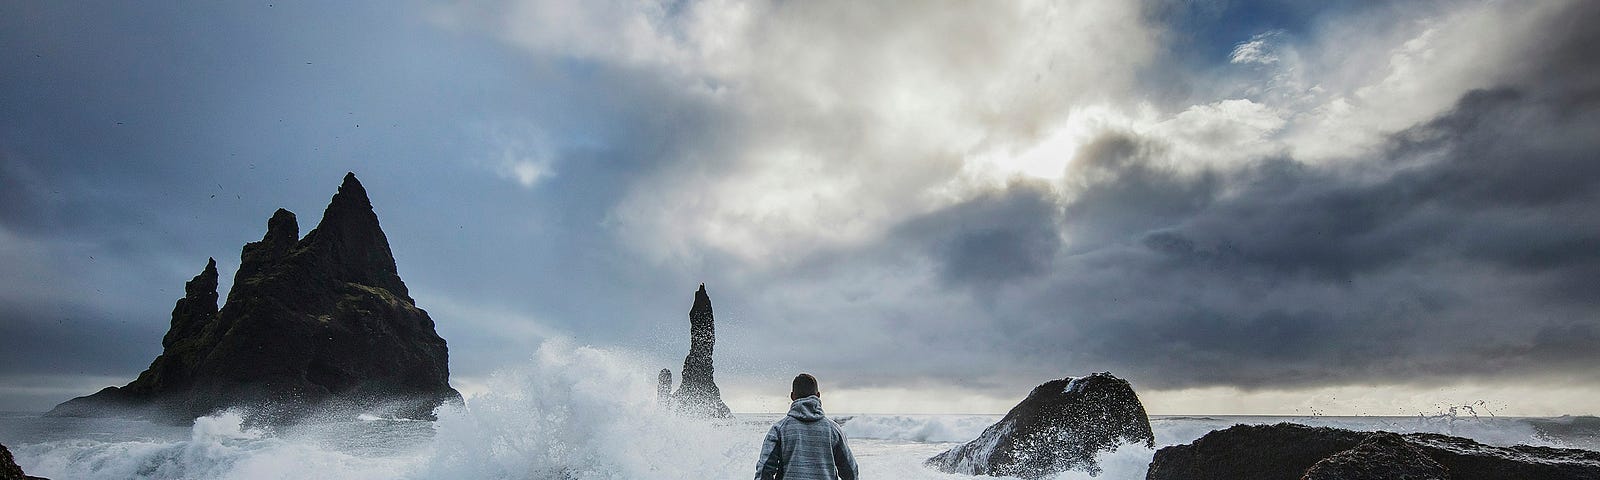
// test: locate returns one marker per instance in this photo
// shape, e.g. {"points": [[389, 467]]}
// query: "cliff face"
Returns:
{"points": [[1062, 425], [310, 323], [697, 393]]}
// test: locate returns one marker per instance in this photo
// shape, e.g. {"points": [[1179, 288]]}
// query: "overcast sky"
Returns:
{"points": [[1273, 207]]}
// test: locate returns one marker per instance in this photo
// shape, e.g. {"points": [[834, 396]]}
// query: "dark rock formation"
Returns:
{"points": [[321, 322], [664, 388], [1294, 452], [1470, 460], [1252, 451], [697, 393], [1382, 456], [1062, 425], [9, 469]]}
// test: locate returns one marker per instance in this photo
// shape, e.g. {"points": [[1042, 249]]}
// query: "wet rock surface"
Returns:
{"points": [[1293, 452], [1382, 456], [1062, 425]]}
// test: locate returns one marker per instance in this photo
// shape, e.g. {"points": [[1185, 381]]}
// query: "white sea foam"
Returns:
{"points": [[582, 413], [919, 428], [579, 413], [219, 447]]}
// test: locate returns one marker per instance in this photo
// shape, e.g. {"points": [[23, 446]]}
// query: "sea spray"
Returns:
{"points": [[583, 413], [572, 412], [219, 447], [919, 428]]}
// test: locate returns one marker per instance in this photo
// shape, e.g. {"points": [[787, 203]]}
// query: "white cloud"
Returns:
{"points": [[854, 117], [846, 119], [836, 123], [519, 152], [1261, 49], [1350, 83]]}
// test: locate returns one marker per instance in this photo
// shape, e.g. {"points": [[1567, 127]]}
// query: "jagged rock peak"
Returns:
{"points": [[282, 229], [350, 240], [351, 195], [702, 302], [319, 323], [204, 286], [197, 308]]}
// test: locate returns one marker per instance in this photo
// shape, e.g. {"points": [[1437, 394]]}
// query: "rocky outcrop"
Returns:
{"points": [[310, 324], [1382, 456], [9, 469], [1294, 452], [1282, 451], [1062, 425], [664, 388], [697, 393]]}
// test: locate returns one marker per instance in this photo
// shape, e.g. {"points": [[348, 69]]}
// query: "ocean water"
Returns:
{"points": [[584, 413]]}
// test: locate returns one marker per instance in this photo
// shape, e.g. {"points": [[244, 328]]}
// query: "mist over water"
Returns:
{"points": [[573, 412]]}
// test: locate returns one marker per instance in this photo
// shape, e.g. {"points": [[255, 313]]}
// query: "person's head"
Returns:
{"points": [[804, 385]]}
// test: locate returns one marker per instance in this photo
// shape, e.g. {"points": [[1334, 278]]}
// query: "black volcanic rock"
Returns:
{"points": [[1382, 456], [1265, 452], [1062, 425], [697, 392], [313, 323], [9, 469], [1470, 460], [1293, 452]]}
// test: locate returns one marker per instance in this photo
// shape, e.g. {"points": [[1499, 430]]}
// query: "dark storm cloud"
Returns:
{"points": [[1006, 235], [137, 140], [1467, 248]]}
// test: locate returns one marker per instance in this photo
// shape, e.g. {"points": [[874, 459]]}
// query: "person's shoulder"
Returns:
{"points": [[837, 427], [782, 421]]}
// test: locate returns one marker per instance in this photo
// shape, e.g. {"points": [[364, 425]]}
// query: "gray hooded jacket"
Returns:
{"points": [[806, 445]]}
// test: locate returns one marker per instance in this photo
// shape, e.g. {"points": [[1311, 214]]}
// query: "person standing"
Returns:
{"points": [[805, 444]]}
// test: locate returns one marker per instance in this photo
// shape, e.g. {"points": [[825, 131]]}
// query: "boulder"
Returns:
{"points": [[697, 393], [1062, 425], [1294, 452], [320, 323], [1263, 452]]}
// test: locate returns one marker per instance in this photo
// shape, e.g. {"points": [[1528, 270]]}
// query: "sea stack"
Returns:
{"points": [[315, 324], [1062, 425], [697, 392], [664, 388]]}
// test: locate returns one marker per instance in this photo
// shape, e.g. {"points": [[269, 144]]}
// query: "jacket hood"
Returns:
{"points": [[808, 409]]}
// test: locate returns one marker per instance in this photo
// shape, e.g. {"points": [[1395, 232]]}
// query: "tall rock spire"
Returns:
{"points": [[698, 394]]}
